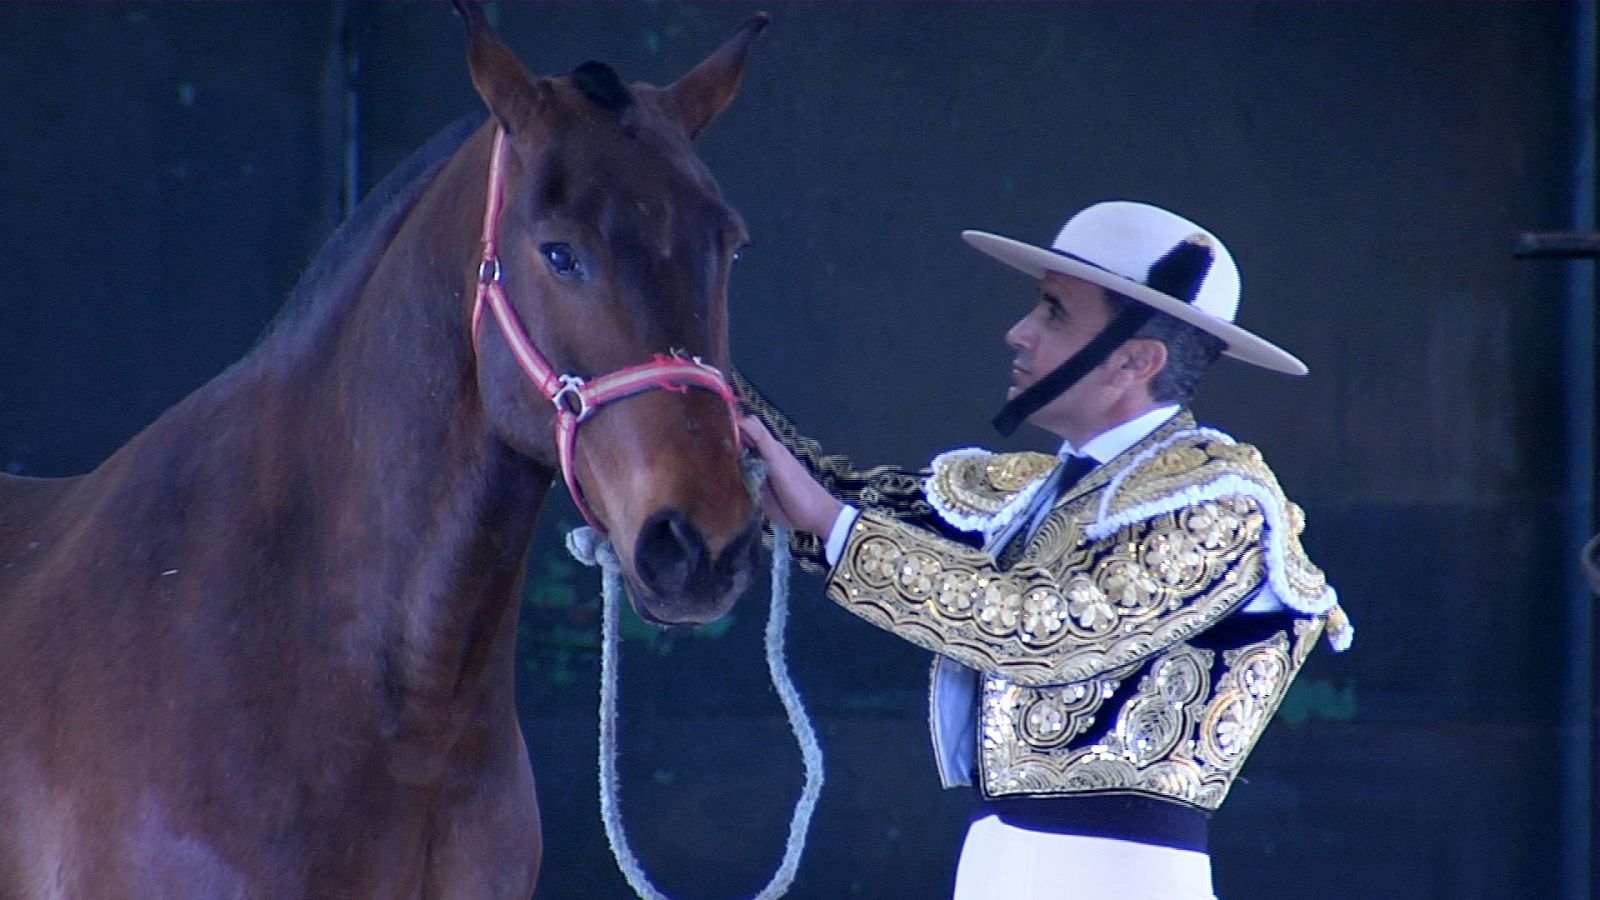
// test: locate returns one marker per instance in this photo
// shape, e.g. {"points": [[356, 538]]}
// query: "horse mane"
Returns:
{"points": [[350, 254]]}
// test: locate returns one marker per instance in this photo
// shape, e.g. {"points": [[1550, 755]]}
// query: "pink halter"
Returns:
{"points": [[574, 398]]}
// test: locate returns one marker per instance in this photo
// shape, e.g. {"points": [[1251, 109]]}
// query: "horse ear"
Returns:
{"points": [[516, 98], [700, 95]]}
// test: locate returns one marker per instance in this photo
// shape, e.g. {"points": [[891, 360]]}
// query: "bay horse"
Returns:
{"points": [[265, 650]]}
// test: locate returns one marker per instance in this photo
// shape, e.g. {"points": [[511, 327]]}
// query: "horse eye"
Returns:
{"points": [[562, 260]]}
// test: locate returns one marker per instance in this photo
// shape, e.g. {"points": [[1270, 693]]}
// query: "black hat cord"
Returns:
{"points": [[1179, 273], [1064, 376]]}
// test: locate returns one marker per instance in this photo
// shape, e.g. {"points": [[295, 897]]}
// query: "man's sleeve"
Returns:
{"points": [[1097, 607]]}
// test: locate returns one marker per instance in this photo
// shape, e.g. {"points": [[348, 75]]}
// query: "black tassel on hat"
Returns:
{"points": [[1182, 271]]}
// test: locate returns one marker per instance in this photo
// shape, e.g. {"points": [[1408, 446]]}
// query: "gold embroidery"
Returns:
{"points": [[978, 483], [1100, 607], [1179, 737], [1176, 461], [1060, 638], [1011, 472], [1204, 461]]}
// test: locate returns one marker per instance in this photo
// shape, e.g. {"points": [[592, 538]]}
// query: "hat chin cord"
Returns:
{"points": [[1069, 373]]}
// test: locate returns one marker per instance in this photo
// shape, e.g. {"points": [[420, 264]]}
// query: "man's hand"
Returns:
{"points": [[790, 497]]}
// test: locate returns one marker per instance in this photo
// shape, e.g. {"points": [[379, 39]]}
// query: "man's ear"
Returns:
{"points": [[1142, 359]]}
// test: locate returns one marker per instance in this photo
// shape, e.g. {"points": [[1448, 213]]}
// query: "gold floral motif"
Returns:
{"points": [[917, 575], [1091, 610], [999, 607], [1180, 737], [1056, 715], [955, 593], [1175, 558], [1230, 729], [876, 561], [1257, 678], [1130, 587], [1155, 582], [1043, 614], [1214, 525], [1060, 624]]}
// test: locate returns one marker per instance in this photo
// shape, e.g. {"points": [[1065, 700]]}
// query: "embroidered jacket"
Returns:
{"points": [[1110, 660]]}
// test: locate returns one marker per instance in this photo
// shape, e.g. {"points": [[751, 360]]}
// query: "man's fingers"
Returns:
{"points": [[752, 430]]}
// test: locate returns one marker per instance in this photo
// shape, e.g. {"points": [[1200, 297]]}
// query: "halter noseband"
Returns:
{"points": [[575, 398]]}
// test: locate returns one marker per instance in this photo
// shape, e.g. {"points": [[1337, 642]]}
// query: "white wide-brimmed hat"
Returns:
{"points": [[1118, 243]]}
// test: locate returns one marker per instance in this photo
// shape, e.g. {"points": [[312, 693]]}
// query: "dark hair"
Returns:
{"points": [[599, 82], [1189, 351]]}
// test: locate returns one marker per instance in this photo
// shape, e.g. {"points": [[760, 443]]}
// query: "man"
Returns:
{"points": [[1115, 626]]}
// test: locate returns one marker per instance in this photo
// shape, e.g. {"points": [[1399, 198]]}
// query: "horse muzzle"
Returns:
{"points": [[678, 580]]}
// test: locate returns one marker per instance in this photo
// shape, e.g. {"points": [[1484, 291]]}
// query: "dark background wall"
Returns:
{"points": [[166, 171]]}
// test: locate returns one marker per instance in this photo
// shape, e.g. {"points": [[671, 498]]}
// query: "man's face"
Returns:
{"points": [[1068, 313]]}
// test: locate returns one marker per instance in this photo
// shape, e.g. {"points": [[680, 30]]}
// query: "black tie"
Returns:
{"points": [[1069, 473], [1072, 472]]}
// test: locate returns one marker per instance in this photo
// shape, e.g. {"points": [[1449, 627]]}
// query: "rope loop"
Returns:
{"points": [[589, 547]]}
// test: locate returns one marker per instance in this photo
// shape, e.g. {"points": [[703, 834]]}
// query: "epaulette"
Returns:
{"points": [[1197, 465], [975, 490]]}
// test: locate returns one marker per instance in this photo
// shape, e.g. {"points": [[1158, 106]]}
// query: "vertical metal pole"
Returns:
{"points": [[1579, 761]]}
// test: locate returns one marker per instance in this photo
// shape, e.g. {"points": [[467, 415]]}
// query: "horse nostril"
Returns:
{"points": [[668, 553]]}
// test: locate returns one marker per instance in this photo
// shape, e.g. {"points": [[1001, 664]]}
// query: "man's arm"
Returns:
{"points": [[1095, 607], [1098, 607]]}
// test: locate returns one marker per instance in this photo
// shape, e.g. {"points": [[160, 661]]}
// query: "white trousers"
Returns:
{"points": [[1002, 862]]}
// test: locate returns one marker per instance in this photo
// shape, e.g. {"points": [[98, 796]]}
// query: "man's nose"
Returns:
{"points": [[1017, 335]]}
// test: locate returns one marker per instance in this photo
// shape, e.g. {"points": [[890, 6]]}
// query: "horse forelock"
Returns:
{"points": [[599, 83]]}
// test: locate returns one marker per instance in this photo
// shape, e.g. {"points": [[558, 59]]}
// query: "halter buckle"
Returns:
{"points": [[571, 386], [489, 270]]}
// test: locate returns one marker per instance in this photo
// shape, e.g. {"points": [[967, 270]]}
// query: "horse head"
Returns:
{"points": [[614, 247]]}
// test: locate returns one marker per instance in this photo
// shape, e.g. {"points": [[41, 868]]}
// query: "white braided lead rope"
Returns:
{"points": [[589, 548]]}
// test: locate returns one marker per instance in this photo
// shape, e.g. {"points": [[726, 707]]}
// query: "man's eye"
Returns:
{"points": [[562, 260]]}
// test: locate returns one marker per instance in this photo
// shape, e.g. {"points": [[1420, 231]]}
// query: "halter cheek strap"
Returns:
{"points": [[575, 398]]}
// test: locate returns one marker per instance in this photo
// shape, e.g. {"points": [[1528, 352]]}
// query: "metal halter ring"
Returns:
{"points": [[489, 270], [571, 386]]}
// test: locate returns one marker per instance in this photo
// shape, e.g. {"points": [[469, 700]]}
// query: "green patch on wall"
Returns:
{"points": [[1318, 698]]}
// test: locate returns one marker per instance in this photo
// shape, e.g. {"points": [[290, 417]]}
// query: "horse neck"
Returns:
{"points": [[379, 416]]}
